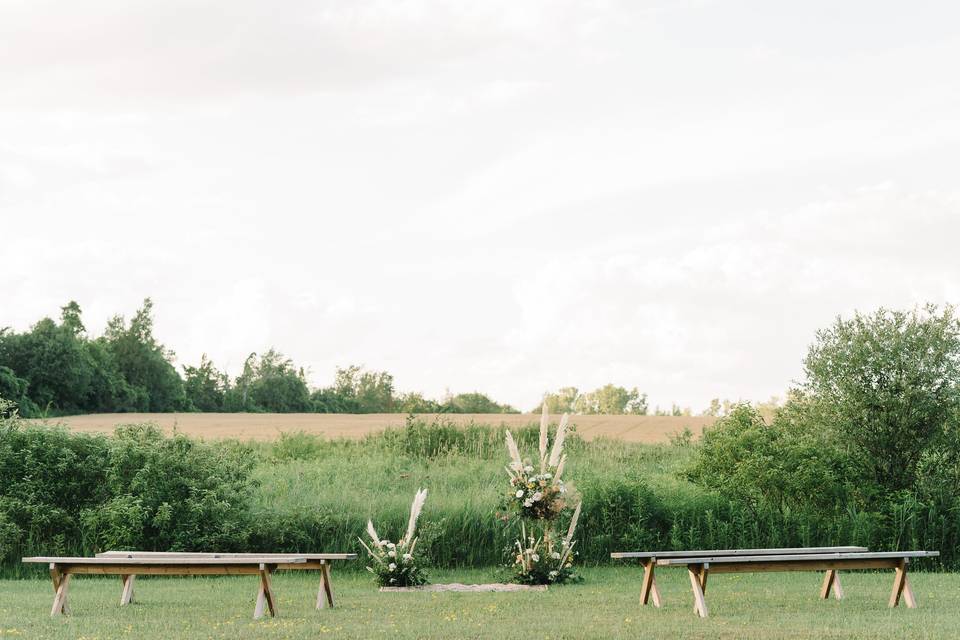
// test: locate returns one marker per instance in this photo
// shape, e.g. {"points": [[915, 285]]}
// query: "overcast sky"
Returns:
{"points": [[504, 196]]}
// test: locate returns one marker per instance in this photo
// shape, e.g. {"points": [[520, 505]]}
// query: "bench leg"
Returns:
{"points": [[60, 597], [126, 595], [325, 593], [831, 582], [265, 596], [699, 602], [704, 572], [908, 596], [899, 582], [649, 588], [57, 577]]}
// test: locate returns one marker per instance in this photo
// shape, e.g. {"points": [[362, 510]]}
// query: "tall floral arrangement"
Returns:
{"points": [[538, 496], [394, 564]]}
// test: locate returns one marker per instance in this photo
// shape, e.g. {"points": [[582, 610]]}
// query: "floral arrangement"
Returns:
{"points": [[538, 493], [393, 563], [543, 560]]}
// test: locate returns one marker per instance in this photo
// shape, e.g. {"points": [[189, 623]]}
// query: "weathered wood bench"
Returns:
{"points": [[700, 564], [313, 562], [648, 559], [62, 568]]}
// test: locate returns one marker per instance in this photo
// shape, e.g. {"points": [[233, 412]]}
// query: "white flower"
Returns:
{"points": [[519, 493], [408, 557], [392, 567], [553, 574], [392, 553], [528, 468], [535, 558], [547, 476], [537, 496], [527, 503], [555, 555], [391, 545]]}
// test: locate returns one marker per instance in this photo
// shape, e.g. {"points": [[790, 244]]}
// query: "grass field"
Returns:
{"points": [[267, 426], [763, 606]]}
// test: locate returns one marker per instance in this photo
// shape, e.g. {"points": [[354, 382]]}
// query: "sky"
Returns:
{"points": [[505, 196]]}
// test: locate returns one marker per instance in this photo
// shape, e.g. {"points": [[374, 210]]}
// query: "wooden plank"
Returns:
{"points": [[800, 557], [169, 561], [647, 585], [699, 601], [325, 594], [837, 588], [266, 590], [702, 574], [908, 596], [828, 579], [56, 577], [720, 566], [60, 597], [623, 555], [126, 594], [899, 578], [162, 570], [192, 554]]}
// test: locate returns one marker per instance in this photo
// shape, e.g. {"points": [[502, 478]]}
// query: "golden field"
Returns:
{"points": [[266, 426]]}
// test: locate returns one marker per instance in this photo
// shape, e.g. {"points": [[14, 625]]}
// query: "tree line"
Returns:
{"points": [[57, 368]]}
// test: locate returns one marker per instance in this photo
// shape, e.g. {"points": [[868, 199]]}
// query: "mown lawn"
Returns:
{"points": [[603, 606]]}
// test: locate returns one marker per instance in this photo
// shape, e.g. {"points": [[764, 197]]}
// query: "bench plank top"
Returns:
{"points": [[733, 552], [811, 557], [124, 561], [272, 556]]}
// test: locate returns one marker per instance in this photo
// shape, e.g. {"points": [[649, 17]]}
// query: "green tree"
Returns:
{"points": [[474, 403], [889, 382], [563, 401], [54, 360], [146, 365], [414, 402], [613, 400], [789, 465], [205, 386], [13, 394], [270, 383], [357, 390]]}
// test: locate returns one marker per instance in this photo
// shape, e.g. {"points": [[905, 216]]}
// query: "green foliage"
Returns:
{"points": [[474, 403], [609, 399], [783, 466], [270, 383], [144, 363], [613, 400], [15, 389], [56, 369], [890, 383], [62, 492], [205, 387], [563, 401]]}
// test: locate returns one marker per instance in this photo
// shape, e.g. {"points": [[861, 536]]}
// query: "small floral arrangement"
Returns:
{"points": [[538, 494], [544, 560], [394, 564]]}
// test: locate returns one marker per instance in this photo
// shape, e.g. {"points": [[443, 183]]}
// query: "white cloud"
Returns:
{"points": [[497, 196]]}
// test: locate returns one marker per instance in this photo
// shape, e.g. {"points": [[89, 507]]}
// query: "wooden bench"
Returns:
{"points": [[62, 568], [648, 559], [700, 564], [313, 562]]}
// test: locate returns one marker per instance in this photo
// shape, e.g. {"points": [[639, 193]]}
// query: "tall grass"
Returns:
{"points": [[310, 493]]}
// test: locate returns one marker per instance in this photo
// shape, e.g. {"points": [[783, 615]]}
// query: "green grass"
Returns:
{"points": [[605, 605]]}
